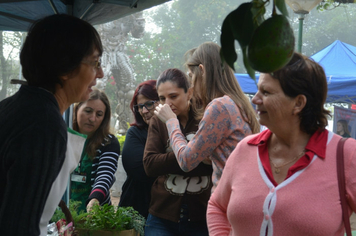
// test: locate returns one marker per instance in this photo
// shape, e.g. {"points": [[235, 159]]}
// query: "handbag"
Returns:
{"points": [[342, 187]]}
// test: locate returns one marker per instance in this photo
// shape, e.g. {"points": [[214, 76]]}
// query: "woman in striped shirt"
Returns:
{"points": [[95, 174]]}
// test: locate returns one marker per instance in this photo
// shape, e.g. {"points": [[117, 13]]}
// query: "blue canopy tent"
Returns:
{"points": [[339, 62], [247, 84]]}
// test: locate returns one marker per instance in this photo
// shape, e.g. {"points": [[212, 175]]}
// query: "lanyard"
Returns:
{"points": [[78, 170]]}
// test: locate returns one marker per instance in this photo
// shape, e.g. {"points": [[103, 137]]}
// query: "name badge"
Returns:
{"points": [[78, 178]]}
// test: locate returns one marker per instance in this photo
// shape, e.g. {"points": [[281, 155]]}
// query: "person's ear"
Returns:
{"points": [[202, 69], [300, 102], [64, 78]]}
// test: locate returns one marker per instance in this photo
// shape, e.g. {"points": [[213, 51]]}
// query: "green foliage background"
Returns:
{"points": [[184, 24], [180, 25], [121, 139]]}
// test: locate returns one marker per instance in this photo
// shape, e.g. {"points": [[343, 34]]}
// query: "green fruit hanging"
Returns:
{"points": [[272, 45]]}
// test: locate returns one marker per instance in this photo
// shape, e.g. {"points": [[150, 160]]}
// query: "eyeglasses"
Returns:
{"points": [[96, 64], [149, 105]]}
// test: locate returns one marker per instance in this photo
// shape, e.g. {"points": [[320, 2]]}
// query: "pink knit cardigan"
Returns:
{"points": [[246, 202]]}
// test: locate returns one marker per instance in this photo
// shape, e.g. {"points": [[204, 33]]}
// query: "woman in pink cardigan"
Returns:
{"points": [[283, 181]]}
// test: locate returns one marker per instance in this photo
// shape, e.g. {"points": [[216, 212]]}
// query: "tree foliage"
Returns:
{"points": [[321, 28], [10, 43], [183, 24]]}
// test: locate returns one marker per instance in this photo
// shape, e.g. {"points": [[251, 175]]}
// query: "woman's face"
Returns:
{"points": [[274, 108], [90, 116], [175, 97], [339, 127], [78, 86], [144, 112]]}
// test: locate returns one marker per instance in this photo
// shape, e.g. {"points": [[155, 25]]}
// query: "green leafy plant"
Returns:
{"points": [[106, 218], [332, 4], [121, 139], [73, 208], [110, 218], [267, 45]]}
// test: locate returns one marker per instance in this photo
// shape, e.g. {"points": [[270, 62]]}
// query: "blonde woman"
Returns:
{"points": [[225, 112]]}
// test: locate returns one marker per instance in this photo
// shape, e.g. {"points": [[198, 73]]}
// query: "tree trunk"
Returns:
{"points": [[4, 70]]}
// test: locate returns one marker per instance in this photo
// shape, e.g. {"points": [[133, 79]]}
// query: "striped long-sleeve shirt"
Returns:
{"points": [[103, 170]]}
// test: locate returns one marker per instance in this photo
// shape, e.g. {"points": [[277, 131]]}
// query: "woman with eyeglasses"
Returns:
{"points": [[92, 179], [136, 191], [179, 199], [58, 60]]}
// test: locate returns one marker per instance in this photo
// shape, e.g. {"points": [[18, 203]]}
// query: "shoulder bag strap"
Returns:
{"points": [[342, 187]]}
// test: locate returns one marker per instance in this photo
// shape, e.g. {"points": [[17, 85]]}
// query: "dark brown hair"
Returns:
{"points": [[176, 76], [305, 76], [147, 89], [54, 47]]}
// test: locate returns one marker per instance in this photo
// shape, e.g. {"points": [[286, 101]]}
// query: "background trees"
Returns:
{"points": [[179, 25], [323, 28], [184, 24], [10, 43]]}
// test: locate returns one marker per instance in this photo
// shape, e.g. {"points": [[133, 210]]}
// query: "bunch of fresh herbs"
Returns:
{"points": [[73, 208], [106, 217]]}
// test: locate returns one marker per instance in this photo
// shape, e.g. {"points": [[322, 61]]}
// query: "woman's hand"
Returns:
{"points": [[164, 112], [92, 202]]}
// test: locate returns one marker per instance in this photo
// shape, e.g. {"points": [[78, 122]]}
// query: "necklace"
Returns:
{"points": [[277, 169]]}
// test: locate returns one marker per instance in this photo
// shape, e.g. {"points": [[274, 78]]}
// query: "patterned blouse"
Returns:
{"points": [[220, 129]]}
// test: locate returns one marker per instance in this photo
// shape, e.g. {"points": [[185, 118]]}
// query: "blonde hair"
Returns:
{"points": [[219, 81]]}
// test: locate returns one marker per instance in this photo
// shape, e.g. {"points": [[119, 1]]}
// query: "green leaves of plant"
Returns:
{"points": [[272, 45], [258, 11], [227, 52], [265, 47], [108, 218], [281, 6], [241, 24], [238, 25]]}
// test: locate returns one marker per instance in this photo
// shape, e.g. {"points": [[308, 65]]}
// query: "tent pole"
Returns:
{"points": [[300, 31], [53, 6]]}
